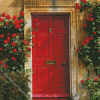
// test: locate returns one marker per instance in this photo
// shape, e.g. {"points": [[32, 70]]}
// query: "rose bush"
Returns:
{"points": [[13, 45]]}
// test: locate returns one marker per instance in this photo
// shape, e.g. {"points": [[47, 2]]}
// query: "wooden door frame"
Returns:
{"points": [[73, 39]]}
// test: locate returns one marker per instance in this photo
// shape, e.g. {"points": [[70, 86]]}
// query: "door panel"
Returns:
{"points": [[50, 57]]}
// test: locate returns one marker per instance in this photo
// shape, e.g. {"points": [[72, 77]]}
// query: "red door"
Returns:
{"points": [[50, 58]]}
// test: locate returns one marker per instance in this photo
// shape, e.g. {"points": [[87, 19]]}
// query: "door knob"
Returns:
{"points": [[63, 63]]}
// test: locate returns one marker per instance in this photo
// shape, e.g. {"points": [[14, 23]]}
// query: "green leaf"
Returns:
{"points": [[99, 58], [30, 29]]}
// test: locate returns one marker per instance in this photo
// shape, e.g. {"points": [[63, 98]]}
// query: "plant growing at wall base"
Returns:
{"points": [[94, 87]]}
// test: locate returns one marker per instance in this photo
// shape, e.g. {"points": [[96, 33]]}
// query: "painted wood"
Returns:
{"points": [[50, 80]]}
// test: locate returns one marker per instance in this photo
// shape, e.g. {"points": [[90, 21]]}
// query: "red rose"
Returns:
{"points": [[87, 38], [94, 32], [3, 35], [1, 48], [5, 41], [17, 26], [88, 19], [7, 24], [5, 66], [14, 35], [13, 43], [98, 76], [87, 41], [1, 19], [14, 50], [28, 55], [14, 17], [77, 49], [83, 43], [16, 22], [20, 51], [91, 38], [24, 41], [21, 20], [21, 13], [96, 79], [8, 33], [99, 51], [21, 33], [0, 36], [29, 48], [8, 17], [13, 58], [85, 25], [88, 78], [3, 14], [0, 62], [90, 15], [77, 6], [8, 38], [82, 81], [92, 19], [84, 1], [28, 43]]}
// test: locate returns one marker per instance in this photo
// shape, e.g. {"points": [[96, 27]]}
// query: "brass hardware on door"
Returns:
{"points": [[50, 30], [50, 62], [63, 63]]}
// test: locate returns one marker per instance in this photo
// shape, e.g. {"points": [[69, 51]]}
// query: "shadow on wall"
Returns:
{"points": [[17, 3]]}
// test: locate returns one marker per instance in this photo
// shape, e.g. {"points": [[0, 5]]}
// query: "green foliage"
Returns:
{"points": [[9, 91], [94, 87], [90, 50]]}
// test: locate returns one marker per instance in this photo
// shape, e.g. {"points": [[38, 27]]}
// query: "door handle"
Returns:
{"points": [[64, 63]]}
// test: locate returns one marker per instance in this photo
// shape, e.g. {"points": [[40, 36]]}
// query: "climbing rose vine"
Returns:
{"points": [[90, 50]]}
